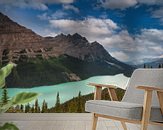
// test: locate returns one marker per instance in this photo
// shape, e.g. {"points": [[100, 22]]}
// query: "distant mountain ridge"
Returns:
{"points": [[155, 63], [64, 57]]}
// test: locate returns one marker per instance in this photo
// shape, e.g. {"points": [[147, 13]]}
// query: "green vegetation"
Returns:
{"points": [[75, 105], [38, 72], [8, 126]]}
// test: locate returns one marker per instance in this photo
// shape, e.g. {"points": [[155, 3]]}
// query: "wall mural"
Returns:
{"points": [[61, 46]]}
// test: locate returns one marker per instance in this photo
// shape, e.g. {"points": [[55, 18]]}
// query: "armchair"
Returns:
{"points": [[141, 104]]}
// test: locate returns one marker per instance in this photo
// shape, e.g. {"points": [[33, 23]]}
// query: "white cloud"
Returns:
{"points": [[161, 56], [57, 1], [90, 27], [141, 46], [122, 4], [59, 14], [34, 4], [71, 7], [158, 13], [44, 16], [149, 44], [118, 4], [121, 56], [152, 35], [24, 4], [122, 41], [151, 2], [39, 6]]}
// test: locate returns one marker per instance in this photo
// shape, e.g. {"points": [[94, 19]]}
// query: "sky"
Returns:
{"points": [[130, 30]]}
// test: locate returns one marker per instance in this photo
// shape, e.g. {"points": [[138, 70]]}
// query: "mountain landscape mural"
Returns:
{"points": [[60, 46]]}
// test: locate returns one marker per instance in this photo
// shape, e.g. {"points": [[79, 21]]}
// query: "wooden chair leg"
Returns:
{"points": [[160, 98], [146, 110], [124, 125], [94, 122]]}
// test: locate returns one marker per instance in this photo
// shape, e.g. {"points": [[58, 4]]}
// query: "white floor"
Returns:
{"points": [[57, 121]]}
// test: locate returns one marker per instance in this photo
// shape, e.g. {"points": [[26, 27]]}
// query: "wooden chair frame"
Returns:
{"points": [[146, 107]]}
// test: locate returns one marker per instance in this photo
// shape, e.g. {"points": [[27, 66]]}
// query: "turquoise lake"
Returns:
{"points": [[71, 89]]}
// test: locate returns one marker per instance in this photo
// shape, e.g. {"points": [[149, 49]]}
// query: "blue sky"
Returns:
{"points": [[130, 30]]}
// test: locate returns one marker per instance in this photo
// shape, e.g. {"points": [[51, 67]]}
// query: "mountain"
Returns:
{"points": [[18, 41], [52, 60]]}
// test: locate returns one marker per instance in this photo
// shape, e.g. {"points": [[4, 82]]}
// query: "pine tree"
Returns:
{"points": [[17, 108], [44, 107], [79, 103], [39, 110], [36, 110], [5, 97], [27, 108], [33, 109], [22, 108], [57, 104]]}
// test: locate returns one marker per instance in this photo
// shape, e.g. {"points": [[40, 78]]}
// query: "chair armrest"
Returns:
{"points": [[148, 91], [148, 88], [102, 85], [111, 90]]}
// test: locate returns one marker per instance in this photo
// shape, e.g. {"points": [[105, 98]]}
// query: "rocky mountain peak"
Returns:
{"points": [[19, 41], [97, 45], [77, 36], [61, 35]]}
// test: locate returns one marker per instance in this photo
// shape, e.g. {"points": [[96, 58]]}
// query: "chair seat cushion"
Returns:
{"points": [[131, 111]]}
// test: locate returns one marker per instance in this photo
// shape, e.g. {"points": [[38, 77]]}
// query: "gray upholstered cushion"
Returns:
{"points": [[143, 77], [121, 109]]}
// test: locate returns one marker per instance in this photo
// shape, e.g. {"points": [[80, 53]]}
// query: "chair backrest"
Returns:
{"points": [[143, 77]]}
